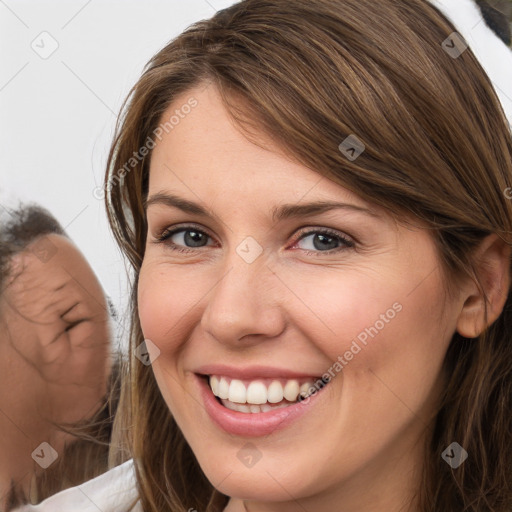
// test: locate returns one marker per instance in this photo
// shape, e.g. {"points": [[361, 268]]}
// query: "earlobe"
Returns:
{"points": [[492, 267]]}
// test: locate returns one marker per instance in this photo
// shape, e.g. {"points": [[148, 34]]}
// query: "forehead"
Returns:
{"points": [[207, 154], [48, 258]]}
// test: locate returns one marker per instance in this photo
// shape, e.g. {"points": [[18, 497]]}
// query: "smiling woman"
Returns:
{"points": [[335, 195], [336, 164]]}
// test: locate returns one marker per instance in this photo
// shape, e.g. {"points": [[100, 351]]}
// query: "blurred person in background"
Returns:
{"points": [[55, 361]]}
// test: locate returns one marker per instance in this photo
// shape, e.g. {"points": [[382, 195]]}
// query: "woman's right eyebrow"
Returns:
{"points": [[177, 202]]}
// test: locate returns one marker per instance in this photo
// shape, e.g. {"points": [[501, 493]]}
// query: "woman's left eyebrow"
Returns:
{"points": [[287, 211], [279, 213]]}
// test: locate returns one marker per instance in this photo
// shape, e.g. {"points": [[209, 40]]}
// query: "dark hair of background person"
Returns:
{"points": [[86, 456], [20, 227], [438, 147], [498, 16]]}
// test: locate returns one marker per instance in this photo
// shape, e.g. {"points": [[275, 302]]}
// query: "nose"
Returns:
{"points": [[245, 303]]}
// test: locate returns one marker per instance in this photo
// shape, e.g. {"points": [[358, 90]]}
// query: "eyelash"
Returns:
{"points": [[163, 237]]}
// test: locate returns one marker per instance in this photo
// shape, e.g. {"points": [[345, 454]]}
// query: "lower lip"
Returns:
{"points": [[253, 424]]}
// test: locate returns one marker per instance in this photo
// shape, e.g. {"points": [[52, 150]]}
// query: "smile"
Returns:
{"points": [[257, 406], [262, 395]]}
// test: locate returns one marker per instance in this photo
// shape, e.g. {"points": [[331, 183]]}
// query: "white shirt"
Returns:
{"points": [[114, 491]]}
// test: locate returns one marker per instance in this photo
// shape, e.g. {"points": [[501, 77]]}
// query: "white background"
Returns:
{"points": [[57, 114]]}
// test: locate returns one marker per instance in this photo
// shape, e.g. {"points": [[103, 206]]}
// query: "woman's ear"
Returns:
{"points": [[492, 267]]}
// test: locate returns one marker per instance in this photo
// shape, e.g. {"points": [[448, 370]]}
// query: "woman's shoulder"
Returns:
{"points": [[113, 491]]}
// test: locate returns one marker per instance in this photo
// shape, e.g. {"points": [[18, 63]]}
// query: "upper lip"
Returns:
{"points": [[252, 372]]}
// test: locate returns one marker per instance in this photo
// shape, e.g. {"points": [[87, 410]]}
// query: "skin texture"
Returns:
{"points": [[55, 349], [294, 310]]}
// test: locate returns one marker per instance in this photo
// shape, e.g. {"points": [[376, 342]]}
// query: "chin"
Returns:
{"points": [[267, 479]]}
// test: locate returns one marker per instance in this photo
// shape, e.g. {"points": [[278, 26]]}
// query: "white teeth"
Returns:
{"points": [[223, 391], [303, 391], [237, 392], [229, 405], [236, 407], [256, 393], [214, 384], [252, 409], [275, 392], [291, 390]]}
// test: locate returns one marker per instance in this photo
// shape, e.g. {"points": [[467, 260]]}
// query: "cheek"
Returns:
{"points": [[403, 339], [166, 300], [160, 308], [386, 332], [398, 305], [348, 312]]}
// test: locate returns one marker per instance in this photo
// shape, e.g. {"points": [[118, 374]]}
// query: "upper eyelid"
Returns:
{"points": [[186, 227], [302, 219], [307, 231]]}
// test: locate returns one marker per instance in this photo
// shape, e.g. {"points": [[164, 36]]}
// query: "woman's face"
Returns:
{"points": [[267, 294]]}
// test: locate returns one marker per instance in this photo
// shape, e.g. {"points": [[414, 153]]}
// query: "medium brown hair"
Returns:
{"points": [[437, 149]]}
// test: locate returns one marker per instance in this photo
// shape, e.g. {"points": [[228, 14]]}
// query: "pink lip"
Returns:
{"points": [[249, 424], [252, 372]]}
